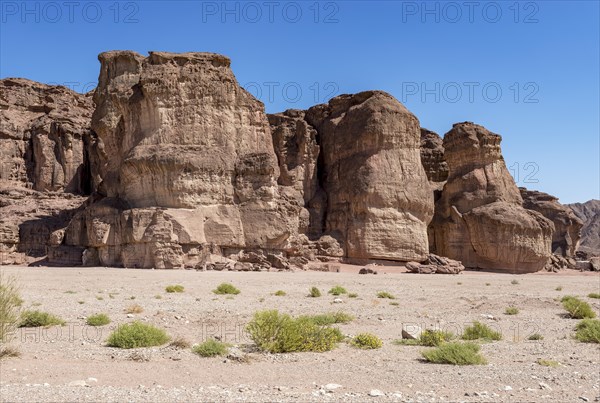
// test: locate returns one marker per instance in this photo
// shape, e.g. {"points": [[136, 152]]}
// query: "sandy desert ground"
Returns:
{"points": [[72, 363]]}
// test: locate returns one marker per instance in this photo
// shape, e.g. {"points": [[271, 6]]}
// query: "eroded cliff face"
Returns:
{"points": [[46, 164], [589, 213], [479, 218], [186, 147], [567, 226], [45, 133]]}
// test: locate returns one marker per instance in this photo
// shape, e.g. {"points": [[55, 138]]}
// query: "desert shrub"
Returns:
{"points": [[366, 341], [135, 308], [225, 288], [385, 294], [511, 310], [10, 303], [536, 336], [594, 295], [210, 348], [480, 331], [137, 334], [577, 308], [432, 338], [337, 290], [559, 288], [314, 292], [174, 288], [100, 319], [455, 353], [394, 303], [280, 293], [280, 333], [588, 331], [39, 318], [331, 318], [428, 338], [514, 282], [8, 352], [352, 295], [548, 363]]}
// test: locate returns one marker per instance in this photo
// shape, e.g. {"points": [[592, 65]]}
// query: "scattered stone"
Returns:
{"points": [[338, 301], [411, 331], [376, 393], [544, 386], [332, 386]]}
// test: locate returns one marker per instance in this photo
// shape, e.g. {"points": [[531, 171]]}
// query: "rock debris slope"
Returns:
{"points": [[185, 169]]}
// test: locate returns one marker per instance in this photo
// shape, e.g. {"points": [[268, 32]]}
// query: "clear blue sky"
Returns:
{"points": [[446, 61]]}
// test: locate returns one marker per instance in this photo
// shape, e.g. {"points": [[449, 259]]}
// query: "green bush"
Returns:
{"points": [[39, 318], [594, 295], [428, 338], [174, 288], [210, 348], [536, 336], [577, 308], [548, 363], [100, 319], [280, 293], [280, 333], [330, 318], [480, 331], [337, 290], [10, 303], [366, 341], [352, 295], [137, 334], [588, 331], [559, 288], [314, 292], [225, 288], [511, 310], [455, 353], [385, 294]]}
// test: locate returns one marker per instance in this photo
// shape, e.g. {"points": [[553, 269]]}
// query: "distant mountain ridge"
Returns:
{"points": [[589, 212]]}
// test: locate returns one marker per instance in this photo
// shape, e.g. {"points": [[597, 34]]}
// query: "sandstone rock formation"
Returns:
{"points": [[589, 213], [479, 218], [566, 224], [189, 163], [378, 198], [432, 157], [195, 164], [46, 158], [185, 169], [436, 264], [45, 133]]}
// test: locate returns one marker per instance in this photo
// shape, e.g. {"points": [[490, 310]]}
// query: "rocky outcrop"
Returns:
{"points": [[567, 225], [378, 198], [185, 169], [47, 152], [589, 213], [432, 157], [479, 218], [436, 264], [45, 137], [189, 163]]}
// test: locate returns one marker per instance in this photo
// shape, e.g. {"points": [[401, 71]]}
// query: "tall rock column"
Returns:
{"points": [[479, 218], [378, 197]]}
